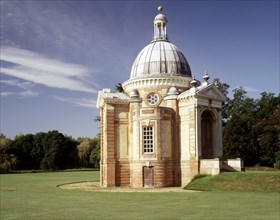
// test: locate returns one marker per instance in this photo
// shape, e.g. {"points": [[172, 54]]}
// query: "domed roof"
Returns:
{"points": [[160, 18], [160, 58]]}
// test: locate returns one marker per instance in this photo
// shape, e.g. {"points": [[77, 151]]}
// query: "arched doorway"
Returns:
{"points": [[207, 150]]}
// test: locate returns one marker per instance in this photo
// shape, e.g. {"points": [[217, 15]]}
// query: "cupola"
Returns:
{"points": [[160, 22], [159, 59]]}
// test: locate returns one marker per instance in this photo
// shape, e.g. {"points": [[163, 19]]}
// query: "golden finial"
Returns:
{"points": [[160, 8]]}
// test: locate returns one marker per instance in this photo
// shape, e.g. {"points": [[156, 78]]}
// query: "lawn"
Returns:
{"points": [[249, 181], [36, 196]]}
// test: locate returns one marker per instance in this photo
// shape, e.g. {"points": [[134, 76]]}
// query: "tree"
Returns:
{"points": [[37, 153], [223, 87], [22, 147], [84, 150], [5, 142], [238, 136], [119, 88], [60, 151], [97, 119], [253, 129], [8, 160], [267, 128], [95, 153]]}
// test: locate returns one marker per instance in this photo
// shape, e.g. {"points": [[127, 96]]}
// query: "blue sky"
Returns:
{"points": [[57, 55]]}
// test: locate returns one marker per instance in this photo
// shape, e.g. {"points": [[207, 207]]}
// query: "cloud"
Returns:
{"points": [[27, 86], [5, 94], [250, 89], [27, 93], [87, 103], [53, 25], [34, 67], [75, 31], [22, 85], [247, 88]]}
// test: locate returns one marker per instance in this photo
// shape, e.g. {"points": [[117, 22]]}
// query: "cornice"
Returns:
{"points": [[116, 101], [177, 81]]}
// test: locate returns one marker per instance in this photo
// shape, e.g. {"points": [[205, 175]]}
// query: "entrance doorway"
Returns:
{"points": [[207, 135], [148, 177]]}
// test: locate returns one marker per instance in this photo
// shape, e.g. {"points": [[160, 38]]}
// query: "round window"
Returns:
{"points": [[152, 98]]}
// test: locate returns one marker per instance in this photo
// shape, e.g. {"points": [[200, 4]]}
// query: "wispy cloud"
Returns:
{"points": [[75, 31], [36, 68], [54, 25], [248, 88], [87, 103], [22, 85], [26, 86], [27, 93]]}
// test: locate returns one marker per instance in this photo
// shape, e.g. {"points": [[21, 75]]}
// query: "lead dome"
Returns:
{"points": [[160, 57]]}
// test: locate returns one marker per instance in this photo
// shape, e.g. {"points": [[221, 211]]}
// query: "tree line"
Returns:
{"points": [[48, 151]]}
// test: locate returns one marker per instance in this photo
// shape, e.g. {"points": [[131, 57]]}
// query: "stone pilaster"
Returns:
{"points": [[108, 148]]}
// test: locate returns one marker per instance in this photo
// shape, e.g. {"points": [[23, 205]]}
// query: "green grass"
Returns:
{"points": [[250, 181], [262, 168], [35, 196]]}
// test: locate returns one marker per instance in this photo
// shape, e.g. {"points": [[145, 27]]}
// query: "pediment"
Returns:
{"points": [[210, 92]]}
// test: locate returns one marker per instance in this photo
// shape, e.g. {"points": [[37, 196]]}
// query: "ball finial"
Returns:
{"points": [[160, 8]]}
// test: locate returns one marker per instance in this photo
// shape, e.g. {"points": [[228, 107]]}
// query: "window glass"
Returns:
{"points": [[148, 139], [152, 98]]}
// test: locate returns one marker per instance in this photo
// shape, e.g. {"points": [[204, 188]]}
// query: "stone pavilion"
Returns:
{"points": [[166, 126]]}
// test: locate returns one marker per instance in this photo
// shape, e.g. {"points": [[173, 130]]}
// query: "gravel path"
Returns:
{"points": [[94, 186]]}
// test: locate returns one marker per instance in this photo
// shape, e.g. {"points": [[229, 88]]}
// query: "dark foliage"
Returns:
{"points": [[253, 129], [60, 151], [21, 147], [224, 89]]}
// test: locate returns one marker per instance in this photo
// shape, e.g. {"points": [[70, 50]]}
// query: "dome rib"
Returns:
{"points": [[165, 66], [149, 63], [177, 61]]}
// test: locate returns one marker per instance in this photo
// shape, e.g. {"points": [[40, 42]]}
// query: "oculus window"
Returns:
{"points": [[152, 98]]}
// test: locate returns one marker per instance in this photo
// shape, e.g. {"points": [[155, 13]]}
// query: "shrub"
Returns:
{"points": [[277, 158]]}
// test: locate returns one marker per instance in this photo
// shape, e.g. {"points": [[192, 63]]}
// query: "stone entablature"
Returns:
{"points": [[166, 81]]}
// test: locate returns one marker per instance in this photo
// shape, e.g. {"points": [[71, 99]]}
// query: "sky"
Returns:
{"points": [[56, 55]]}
